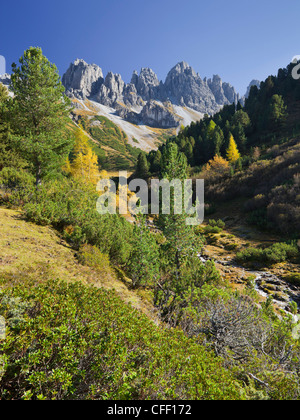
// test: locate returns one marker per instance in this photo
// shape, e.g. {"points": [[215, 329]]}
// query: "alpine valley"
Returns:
{"points": [[113, 305], [124, 118]]}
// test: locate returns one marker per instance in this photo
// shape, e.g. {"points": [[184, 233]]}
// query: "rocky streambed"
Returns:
{"points": [[266, 283], [282, 292]]}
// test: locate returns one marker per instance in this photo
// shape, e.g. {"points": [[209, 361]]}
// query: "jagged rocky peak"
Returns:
{"points": [[186, 88], [148, 77], [82, 80], [134, 78], [111, 90], [183, 67], [114, 82], [144, 98], [182, 71], [216, 86], [5, 79], [230, 93], [223, 92], [252, 83], [146, 84]]}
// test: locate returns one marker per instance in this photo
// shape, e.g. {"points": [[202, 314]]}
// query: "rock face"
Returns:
{"points": [[111, 90], [155, 113], [145, 100], [82, 80], [246, 96], [253, 83], [147, 84], [223, 92], [5, 79], [186, 88]]}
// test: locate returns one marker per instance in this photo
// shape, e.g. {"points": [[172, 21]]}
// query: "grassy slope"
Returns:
{"points": [[37, 251], [116, 149]]}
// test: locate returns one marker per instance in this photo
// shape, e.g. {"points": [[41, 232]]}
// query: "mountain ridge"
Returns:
{"points": [[145, 109], [145, 96]]}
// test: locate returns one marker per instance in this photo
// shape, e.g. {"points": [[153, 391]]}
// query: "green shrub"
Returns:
{"points": [[217, 223], [17, 184], [231, 247], [91, 256], [276, 253], [214, 226], [212, 229], [70, 207], [78, 342]]}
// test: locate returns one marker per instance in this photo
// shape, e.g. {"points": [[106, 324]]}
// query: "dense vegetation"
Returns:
{"points": [[68, 340], [250, 152]]}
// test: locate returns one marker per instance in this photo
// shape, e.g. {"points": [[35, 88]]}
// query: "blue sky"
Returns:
{"points": [[239, 40]]}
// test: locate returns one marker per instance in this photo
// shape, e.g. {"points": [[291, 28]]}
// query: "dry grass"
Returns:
{"points": [[38, 253]]}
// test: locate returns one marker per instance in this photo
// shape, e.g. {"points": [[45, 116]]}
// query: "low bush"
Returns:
{"points": [[92, 257], [214, 226], [78, 342], [17, 184], [276, 253]]}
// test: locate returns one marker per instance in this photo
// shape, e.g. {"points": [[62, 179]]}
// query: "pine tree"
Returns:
{"points": [[144, 259], [210, 129], [9, 157], [156, 164], [218, 140], [142, 169], [179, 259], [240, 136], [232, 153], [40, 113], [174, 163]]}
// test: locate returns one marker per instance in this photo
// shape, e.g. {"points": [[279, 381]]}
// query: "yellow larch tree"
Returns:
{"points": [[217, 164], [84, 165], [216, 168], [232, 153]]}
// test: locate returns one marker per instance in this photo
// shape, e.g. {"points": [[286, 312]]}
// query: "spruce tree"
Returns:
{"points": [[277, 111], [40, 113], [174, 163]]}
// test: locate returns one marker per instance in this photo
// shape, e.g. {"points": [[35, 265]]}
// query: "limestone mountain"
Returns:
{"points": [[246, 96], [83, 80], [252, 83], [146, 100], [5, 79]]}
